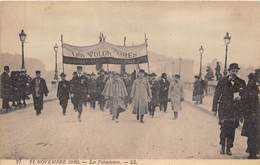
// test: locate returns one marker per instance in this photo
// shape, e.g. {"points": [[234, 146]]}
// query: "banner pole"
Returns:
{"points": [[146, 45], [61, 39]]}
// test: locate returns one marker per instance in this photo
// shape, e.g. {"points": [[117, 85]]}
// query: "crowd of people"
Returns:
{"points": [[114, 91], [234, 99], [15, 88]]}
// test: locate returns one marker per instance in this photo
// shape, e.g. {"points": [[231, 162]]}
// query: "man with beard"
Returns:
{"points": [[163, 94], [116, 92], [101, 81], [63, 92], [39, 88], [141, 95], [6, 89], [155, 94], [227, 102]]}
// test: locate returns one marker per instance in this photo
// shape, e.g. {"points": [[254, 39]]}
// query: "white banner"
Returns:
{"points": [[104, 52]]}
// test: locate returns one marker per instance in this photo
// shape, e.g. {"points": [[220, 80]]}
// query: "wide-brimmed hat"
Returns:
{"points": [[233, 66], [93, 74], [62, 75], [79, 67]]}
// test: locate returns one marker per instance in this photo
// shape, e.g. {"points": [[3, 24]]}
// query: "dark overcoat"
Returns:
{"points": [[163, 89], [5, 86], [250, 102], [63, 91], [223, 101]]}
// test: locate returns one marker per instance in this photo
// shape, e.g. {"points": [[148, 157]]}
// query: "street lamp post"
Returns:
{"points": [[22, 36], [201, 50], [56, 47], [227, 39], [180, 60]]}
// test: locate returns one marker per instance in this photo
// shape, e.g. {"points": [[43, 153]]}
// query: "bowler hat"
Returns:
{"points": [[62, 75], [196, 76], [233, 66], [79, 67], [177, 76], [37, 72], [6, 67], [141, 71], [153, 75], [93, 74]]}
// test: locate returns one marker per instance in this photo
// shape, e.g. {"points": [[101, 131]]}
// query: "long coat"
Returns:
{"points": [[175, 94], [155, 93], [63, 91], [43, 90], [116, 91], [141, 94], [38, 97], [78, 88], [5, 86], [164, 87], [198, 90], [223, 102]]}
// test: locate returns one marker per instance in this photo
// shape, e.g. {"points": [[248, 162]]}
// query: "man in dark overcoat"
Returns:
{"points": [[78, 93], [227, 102], [5, 89], [154, 85], [101, 81], [39, 88], [163, 92], [73, 83], [63, 92], [250, 112], [92, 90]]}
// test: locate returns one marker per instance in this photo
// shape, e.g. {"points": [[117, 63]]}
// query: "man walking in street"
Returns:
{"points": [[227, 102], [164, 87], [155, 94], [6, 89], [101, 81], [141, 95], [176, 95], [77, 92], [39, 88], [63, 92]]}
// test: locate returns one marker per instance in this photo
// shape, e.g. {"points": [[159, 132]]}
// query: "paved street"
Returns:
{"points": [[51, 135]]}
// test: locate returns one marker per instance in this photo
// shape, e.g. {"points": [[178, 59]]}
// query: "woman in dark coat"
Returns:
{"points": [[250, 100], [197, 94]]}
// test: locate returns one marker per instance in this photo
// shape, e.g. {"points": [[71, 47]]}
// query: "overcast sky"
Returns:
{"points": [[173, 29]]}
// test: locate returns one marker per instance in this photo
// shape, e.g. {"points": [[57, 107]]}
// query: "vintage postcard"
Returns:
{"points": [[129, 82]]}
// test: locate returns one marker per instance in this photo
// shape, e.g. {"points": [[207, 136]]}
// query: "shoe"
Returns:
{"points": [[222, 151], [252, 156], [228, 152], [137, 117]]}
